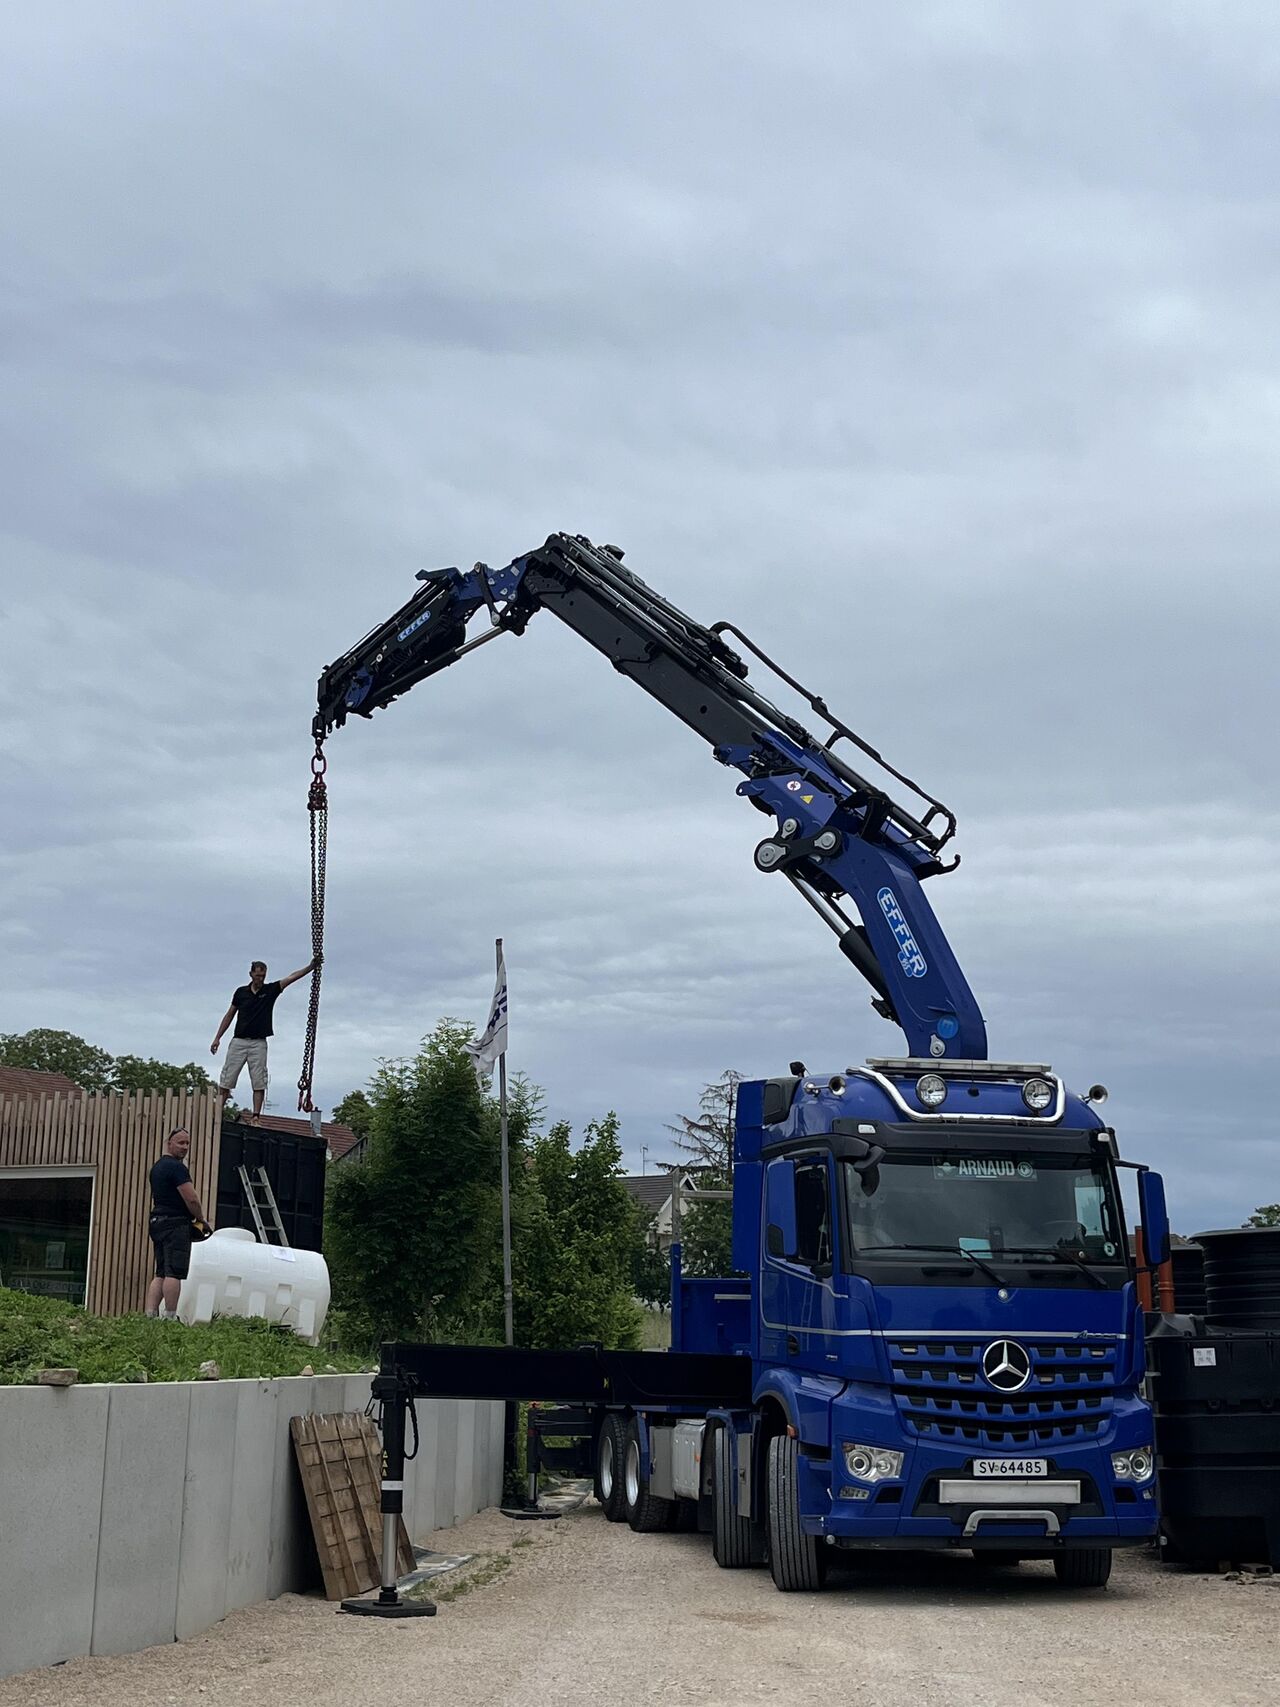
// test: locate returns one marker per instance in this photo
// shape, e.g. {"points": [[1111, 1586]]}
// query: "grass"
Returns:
{"points": [[491, 1567], [655, 1330], [42, 1333]]}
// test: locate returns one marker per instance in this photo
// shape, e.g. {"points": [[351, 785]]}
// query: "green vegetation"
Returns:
{"points": [[706, 1233], [650, 1264], [413, 1229], [1266, 1215], [655, 1330], [46, 1051], [356, 1111], [42, 1333], [490, 1567]]}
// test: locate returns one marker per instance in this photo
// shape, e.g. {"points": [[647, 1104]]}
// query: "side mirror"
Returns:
{"points": [[1155, 1217], [780, 1208]]}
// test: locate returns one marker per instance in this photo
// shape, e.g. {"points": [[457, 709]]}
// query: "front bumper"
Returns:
{"points": [[918, 1511]]}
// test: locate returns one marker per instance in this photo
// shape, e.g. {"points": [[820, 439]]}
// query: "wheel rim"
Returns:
{"points": [[606, 1466], [633, 1472]]}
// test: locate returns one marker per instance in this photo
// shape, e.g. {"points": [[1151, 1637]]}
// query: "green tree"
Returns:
{"points": [[575, 1258], [133, 1073], [46, 1051], [1266, 1215], [706, 1228], [650, 1266], [356, 1111], [411, 1227]]}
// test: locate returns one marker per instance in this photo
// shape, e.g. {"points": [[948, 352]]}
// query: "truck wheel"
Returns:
{"points": [[1087, 1567], [730, 1534], [645, 1512], [610, 1452], [796, 1560]]}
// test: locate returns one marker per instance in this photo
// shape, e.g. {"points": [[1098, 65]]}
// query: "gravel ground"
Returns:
{"points": [[581, 1611]]}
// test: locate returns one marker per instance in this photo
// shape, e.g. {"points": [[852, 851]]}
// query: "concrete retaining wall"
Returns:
{"points": [[133, 1515]]}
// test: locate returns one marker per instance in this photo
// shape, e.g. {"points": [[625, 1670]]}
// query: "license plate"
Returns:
{"points": [[992, 1469]]}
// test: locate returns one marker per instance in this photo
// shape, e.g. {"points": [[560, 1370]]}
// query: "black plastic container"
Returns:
{"points": [[1188, 1279], [1217, 1419], [296, 1169], [1242, 1278]]}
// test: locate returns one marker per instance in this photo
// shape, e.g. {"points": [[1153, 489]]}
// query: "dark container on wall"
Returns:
{"points": [[1217, 1418], [296, 1168], [1188, 1280], [1242, 1277]]}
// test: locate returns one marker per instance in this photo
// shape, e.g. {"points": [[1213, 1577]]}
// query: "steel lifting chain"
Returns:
{"points": [[318, 809]]}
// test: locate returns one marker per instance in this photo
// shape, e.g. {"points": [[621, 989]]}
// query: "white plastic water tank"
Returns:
{"points": [[231, 1274]]}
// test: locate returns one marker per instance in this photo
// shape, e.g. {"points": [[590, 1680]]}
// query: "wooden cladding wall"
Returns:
{"points": [[118, 1135]]}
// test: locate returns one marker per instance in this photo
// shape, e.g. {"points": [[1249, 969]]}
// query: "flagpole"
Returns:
{"points": [[508, 1311]]}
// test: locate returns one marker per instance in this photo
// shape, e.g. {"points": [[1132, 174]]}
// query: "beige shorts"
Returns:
{"points": [[244, 1052]]}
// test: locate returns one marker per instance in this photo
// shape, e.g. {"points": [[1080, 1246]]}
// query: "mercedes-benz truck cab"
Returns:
{"points": [[945, 1314]]}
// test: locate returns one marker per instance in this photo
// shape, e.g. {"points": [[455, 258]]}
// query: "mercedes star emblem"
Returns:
{"points": [[1006, 1366]]}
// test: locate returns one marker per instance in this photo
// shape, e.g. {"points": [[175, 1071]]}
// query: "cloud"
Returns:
{"points": [[936, 350]]}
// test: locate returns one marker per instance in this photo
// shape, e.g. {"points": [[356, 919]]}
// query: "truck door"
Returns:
{"points": [[796, 1284]]}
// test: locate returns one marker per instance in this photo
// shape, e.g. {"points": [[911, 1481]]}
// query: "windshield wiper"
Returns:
{"points": [[1058, 1255], [952, 1250]]}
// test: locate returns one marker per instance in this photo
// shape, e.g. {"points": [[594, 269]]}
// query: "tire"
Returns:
{"points": [[730, 1534], [610, 1451], [796, 1560], [645, 1512], [1088, 1567]]}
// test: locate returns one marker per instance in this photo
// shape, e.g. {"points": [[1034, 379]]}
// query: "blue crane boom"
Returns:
{"points": [[838, 838]]}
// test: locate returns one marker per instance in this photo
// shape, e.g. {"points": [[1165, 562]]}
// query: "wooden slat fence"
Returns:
{"points": [[118, 1135]]}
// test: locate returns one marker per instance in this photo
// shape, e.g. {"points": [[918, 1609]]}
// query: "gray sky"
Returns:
{"points": [[935, 346]]}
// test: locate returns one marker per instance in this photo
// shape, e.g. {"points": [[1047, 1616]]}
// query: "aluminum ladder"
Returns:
{"points": [[262, 1200]]}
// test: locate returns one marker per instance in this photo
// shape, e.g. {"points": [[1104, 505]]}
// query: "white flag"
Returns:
{"points": [[493, 1040]]}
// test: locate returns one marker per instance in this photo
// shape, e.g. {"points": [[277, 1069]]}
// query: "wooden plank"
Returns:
{"points": [[339, 1458]]}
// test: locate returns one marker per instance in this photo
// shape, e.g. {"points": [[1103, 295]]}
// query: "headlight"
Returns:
{"points": [[871, 1463], [1133, 1466], [1037, 1094], [931, 1088]]}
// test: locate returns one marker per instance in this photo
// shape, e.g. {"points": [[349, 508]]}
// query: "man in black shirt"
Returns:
{"points": [[251, 1008], [175, 1208]]}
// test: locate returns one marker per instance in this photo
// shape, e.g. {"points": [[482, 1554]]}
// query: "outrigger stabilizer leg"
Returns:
{"points": [[393, 1393]]}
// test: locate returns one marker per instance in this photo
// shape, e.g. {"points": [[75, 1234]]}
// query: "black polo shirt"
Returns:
{"points": [[166, 1176], [253, 1009]]}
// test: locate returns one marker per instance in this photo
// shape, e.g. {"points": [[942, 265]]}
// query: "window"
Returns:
{"points": [[1014, 1208], [813, 1214], [44, 1232]]}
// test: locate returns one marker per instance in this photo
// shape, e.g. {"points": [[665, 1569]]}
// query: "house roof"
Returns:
{"points": [[27, 1081], [650, 1190], [338, 1138]]}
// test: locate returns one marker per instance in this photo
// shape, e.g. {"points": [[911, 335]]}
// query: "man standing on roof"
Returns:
{"points": [[251, 1009]]}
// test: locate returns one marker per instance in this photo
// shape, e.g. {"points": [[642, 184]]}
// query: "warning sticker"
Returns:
{"points": [[1204, 1356]]}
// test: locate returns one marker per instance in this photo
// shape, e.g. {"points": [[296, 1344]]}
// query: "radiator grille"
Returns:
{"points": [[942, 1393]]}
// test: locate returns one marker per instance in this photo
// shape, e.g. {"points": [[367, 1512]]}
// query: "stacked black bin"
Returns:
{"points": [[1216, 1387], [1188, 1279]]}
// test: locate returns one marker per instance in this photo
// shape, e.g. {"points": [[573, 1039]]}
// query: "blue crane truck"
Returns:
{"points": [[933, 1338]]}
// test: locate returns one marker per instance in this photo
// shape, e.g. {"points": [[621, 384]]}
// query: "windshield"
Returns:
{"points": [[1017, 1209]]}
